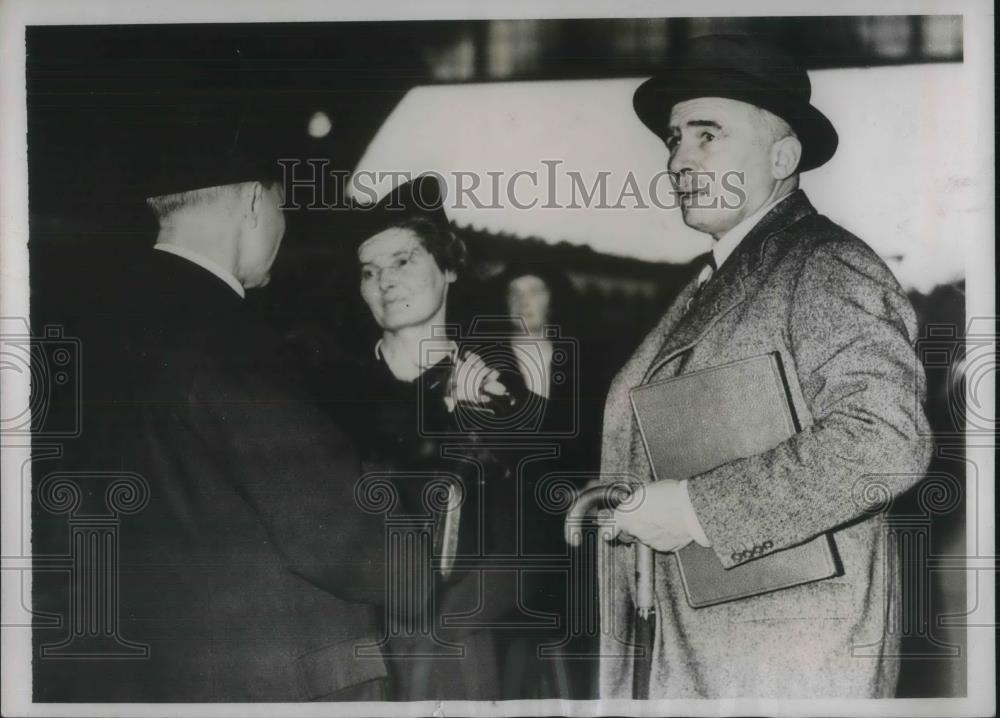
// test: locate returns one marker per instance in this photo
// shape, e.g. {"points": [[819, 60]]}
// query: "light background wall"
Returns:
{"points": [[905, 177]]}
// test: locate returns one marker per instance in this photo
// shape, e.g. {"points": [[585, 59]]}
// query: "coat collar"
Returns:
{"points": [[684, 326], [185, 284], [784, 214]]}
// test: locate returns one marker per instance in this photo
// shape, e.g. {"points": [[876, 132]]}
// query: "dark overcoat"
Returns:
{"points": [[251, 574]]}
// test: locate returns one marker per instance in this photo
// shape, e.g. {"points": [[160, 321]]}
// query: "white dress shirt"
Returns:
{"points": [[205, 263]]}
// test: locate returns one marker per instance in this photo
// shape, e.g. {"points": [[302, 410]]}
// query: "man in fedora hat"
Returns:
{"points": [[252, 574], [737, 121]]}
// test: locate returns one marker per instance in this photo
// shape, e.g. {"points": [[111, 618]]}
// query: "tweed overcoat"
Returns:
{"points": [[804, 287]]}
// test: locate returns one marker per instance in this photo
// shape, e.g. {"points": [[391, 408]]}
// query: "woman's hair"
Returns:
{"points": [[439, 240], [562, 293]]}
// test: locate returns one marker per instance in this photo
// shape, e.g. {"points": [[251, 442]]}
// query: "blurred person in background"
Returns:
{"points": [[539, 300]]}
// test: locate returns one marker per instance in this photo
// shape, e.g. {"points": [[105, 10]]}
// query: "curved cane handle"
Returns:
{"points": [[605, 496], [610, 496]]}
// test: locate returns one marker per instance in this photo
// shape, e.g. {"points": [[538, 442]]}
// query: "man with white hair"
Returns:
{"points": [[781, 279], [198, 225], [252, 574]]}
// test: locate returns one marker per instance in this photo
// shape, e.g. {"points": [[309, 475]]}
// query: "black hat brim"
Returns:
{"points": [[654, 99], [422, 197]]}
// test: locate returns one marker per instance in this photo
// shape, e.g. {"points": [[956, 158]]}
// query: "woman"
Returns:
{"points": [[415, 388]]}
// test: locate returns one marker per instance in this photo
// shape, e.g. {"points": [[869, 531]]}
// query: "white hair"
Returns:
{"points": [[770, 127], [167, 204]]}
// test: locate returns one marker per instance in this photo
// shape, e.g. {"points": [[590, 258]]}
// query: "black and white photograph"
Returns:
{"points": [[498, 359]]}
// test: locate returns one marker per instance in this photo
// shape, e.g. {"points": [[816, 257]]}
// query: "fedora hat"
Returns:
{"points": [[195, 144], [739, 67]]}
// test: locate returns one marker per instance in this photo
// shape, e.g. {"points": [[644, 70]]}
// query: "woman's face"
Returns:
{"points": [[528, 297], [400, 280]]}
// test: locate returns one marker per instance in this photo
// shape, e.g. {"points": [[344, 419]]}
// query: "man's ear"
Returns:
{"points": [[785, 156], [450, 276]]}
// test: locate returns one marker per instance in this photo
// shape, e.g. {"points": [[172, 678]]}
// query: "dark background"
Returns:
{"points": [[95, 94]]}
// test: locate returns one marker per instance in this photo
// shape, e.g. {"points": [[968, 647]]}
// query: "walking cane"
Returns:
{"points": [[610, 497]]}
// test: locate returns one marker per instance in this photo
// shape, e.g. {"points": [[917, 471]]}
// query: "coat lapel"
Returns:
{"points": [[719, 297], [618, 429], [726, 290]]}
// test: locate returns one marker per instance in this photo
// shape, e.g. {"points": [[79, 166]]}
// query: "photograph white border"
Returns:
{"points": [[15, 15]]}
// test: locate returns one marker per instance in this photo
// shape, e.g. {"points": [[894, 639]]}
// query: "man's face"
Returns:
{"points": [[719, 162], [262, 238], [401, 282]]}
